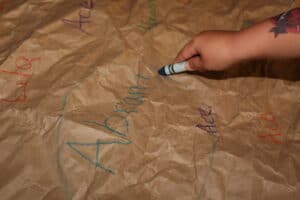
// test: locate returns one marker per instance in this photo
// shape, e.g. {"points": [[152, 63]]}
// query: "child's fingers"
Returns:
{"points": [[188, 51], [195, 64]]}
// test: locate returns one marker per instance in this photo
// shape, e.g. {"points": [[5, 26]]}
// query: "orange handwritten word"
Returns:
{"points": [[25, 63], [22, 63], [272, 128], [14, 73], [22, 98], [84, 15]]}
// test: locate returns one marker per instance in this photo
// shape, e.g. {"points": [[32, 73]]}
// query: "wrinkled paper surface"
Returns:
{"points": [[84, 114]]}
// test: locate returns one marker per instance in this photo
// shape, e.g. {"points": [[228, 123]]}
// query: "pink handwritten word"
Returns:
{"points": [[84, 15], [273, 132], [22, 63], [209, 122]]}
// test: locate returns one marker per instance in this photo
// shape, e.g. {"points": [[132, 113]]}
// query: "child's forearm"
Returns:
{"points": [[278, 37]]}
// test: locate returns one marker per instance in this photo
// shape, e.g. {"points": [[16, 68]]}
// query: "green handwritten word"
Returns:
{"points": [[116, 123], [152, 20]]}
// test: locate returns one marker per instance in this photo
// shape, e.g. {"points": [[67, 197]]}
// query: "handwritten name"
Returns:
{"points": [[117, 122], [152, 20], [272, 129], [84, 15], [208, 122], [22, 63]]}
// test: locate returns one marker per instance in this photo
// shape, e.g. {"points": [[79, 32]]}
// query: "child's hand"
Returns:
{"points": [[276, 38], [211, 50]]}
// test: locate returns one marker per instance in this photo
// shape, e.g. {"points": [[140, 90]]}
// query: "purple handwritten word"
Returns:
{"points": [[84, 15], [208, 124]]}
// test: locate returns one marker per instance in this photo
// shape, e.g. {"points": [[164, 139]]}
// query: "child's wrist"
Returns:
{"points": [[243, 47], [254, 42]]}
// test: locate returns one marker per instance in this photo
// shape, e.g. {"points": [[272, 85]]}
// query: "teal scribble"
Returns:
{"points": [[98, 143], [152, 19]]}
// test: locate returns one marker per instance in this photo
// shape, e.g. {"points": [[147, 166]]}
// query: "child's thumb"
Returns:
{"points": [[195, 64]]}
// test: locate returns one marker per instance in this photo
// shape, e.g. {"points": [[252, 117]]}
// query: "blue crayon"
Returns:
{"points": [[174, 68]]}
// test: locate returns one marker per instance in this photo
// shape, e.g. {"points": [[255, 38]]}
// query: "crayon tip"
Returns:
{"points": [[162, 72]]}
